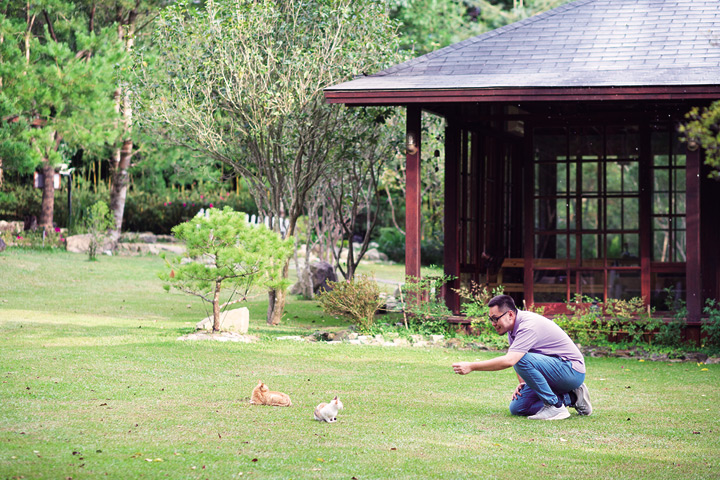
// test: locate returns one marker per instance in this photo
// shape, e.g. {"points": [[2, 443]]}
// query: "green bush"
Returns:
{"points": [[432, 251], [584, 324], [426, 310], [97, 221], [356, 300], [711, 327], [474, 305], [392, 243]]}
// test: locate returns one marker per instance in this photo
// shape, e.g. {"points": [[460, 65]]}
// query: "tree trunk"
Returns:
{"points": [[118, 193], [48, 197], [216, 308], [123, 155], [276, 300]]}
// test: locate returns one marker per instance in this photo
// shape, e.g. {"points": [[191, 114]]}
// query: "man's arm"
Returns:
{"points": [[497, 363]]}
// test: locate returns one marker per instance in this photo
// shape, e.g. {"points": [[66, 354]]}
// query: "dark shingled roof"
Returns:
{"points": [[586, 43]]}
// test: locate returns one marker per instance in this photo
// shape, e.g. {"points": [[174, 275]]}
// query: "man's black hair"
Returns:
{"points": [[503, 302]]}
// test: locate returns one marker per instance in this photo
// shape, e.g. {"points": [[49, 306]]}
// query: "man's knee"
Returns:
{"points": [[524, 408]]}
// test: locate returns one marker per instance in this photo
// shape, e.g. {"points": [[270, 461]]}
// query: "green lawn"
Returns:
{"points": [[96, 385]]}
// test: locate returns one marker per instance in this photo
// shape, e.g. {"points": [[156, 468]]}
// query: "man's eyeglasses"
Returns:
{"points": [[494, 320]]}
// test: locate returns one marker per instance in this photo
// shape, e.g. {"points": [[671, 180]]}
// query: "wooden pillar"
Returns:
{"points": [[451, 257], [529, 216], [646, 240], [693, 265], [413, 190]]}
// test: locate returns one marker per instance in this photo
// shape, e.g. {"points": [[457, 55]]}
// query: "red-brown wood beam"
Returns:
{"points": [[646, 241], [528, 215], [693, 264], [452, 216], [469, 95], [413, 190]]}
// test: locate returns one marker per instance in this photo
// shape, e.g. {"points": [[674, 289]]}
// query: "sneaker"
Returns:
{"points": [[551, 412], [582, 404]]}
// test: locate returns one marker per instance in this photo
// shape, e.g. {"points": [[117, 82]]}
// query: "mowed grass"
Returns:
{"points": [[95, 384]]}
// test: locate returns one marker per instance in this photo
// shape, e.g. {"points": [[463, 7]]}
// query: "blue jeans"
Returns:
{"points": [[547, 381]]}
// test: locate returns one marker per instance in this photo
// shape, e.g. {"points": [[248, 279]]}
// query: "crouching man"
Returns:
{"points": [[549, 366]]}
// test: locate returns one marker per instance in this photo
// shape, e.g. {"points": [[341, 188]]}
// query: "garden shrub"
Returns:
{"points": [[584, 323], [392, 243], [356, 300], [630, 317], [426, 310], [711, 327], [97, 221], [474, 305], [432, 251]]}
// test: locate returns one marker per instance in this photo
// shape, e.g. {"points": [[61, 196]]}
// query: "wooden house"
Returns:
{"points": [[564, 172]]}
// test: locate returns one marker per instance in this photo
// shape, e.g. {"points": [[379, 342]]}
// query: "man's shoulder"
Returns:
{"points": [[525, 316]]}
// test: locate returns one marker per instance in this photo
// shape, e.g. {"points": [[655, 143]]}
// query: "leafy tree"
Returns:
{"points": [[226, 251], [703, 129], [241, 81], [57, 80]]}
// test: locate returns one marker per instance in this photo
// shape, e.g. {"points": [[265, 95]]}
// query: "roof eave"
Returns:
{"points": [[398, 97]]}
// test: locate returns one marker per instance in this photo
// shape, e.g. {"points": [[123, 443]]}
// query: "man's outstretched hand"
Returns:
{"points": [[462, 368]]}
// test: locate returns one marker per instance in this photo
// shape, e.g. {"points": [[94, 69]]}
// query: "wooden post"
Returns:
{"points": [[693, 265], [451, 255], [413, 189], [646, 240]]}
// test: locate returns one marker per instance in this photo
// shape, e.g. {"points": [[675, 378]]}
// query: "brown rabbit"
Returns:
{"points": [[261, 395]]}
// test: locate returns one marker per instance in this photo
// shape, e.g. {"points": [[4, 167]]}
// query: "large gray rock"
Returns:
{"points": [[322, 273], [237, 320], [81, 244]]}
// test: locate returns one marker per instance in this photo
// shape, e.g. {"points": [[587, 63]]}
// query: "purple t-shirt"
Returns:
{"points": [[534, 333]]}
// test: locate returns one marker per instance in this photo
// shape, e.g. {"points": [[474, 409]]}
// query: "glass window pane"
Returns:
{"points": [[679, 180], [668, 291], [613, 177], [592, 284], [590, 213], [550, 286], [562, 213], [572, 170], [546, 246], [591, 248], [614, 247], [661, 182], [661, 204], [680, 247], [546, 179], [631, 213], [590, 179], [679, 207], [661, 245], [624, 284], [623, 249], [562, 179], [631, 177], [614, 213], [562, 246], [545, 214]]}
